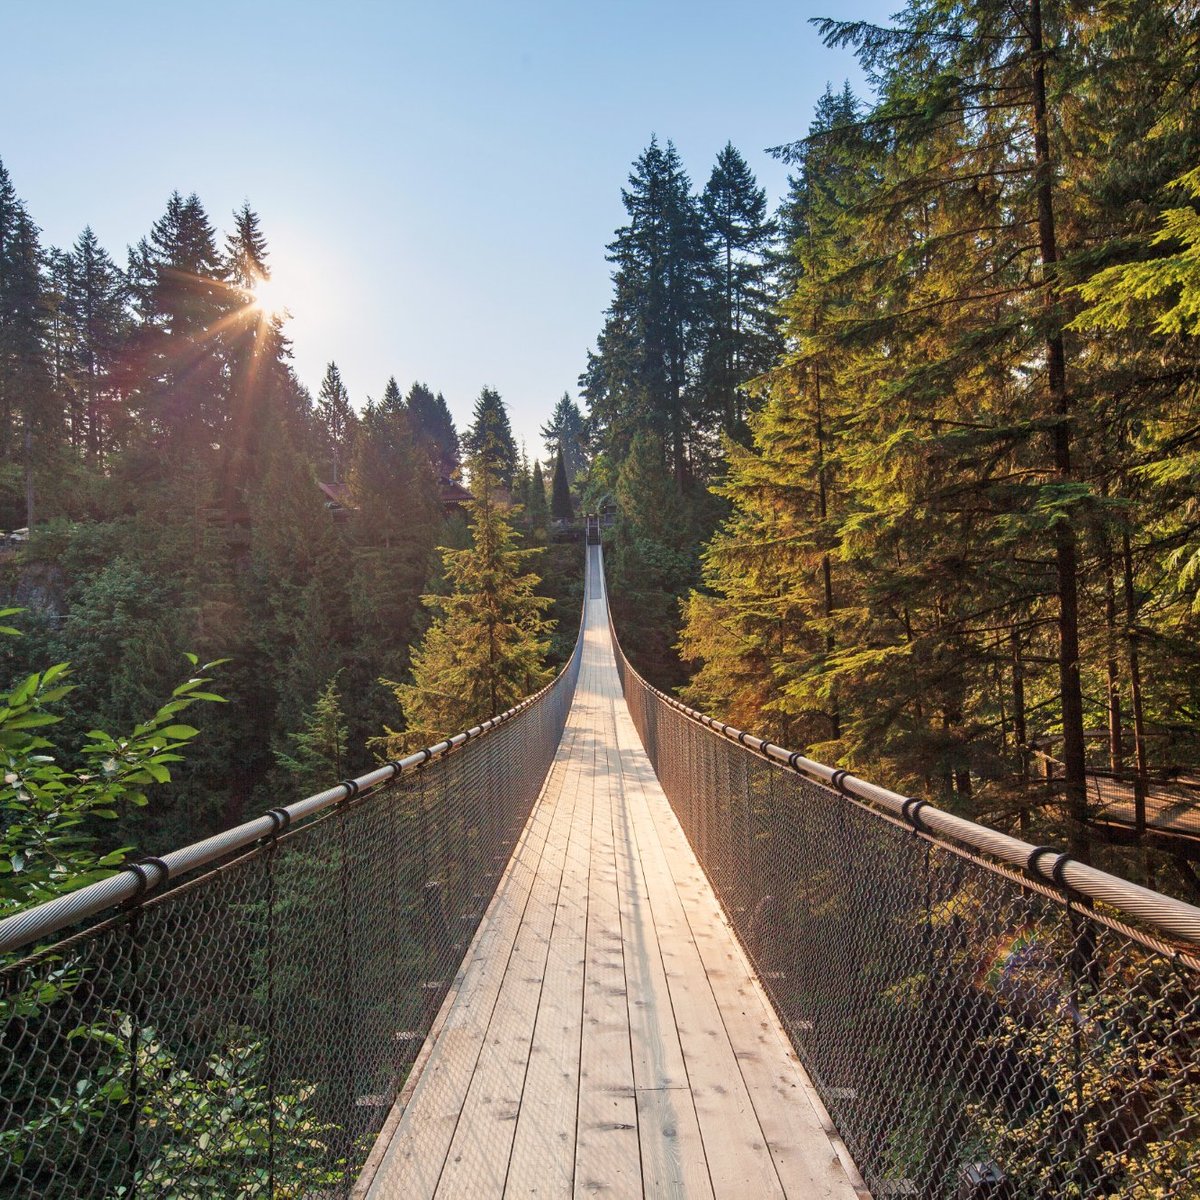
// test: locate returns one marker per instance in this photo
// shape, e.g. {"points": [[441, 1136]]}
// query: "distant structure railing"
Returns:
{"points": [[982, 1017], [238, 1017]]}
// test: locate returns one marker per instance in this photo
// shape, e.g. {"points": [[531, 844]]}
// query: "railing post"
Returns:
{"points": [[136, 1018], [347, 1114], [272, 1067]]}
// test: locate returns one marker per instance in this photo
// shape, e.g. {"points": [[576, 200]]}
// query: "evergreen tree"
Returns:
{"points": [[565, 433], [535, 506], [640, 376], [394, 529], [561, 508], [246, 250], [337, 422], [486, 647], [433, 427], [318, 758], [96, 306], [740, 340], [178, 283], [256, 353], [391, 404], [490, 438], [28, 426]]}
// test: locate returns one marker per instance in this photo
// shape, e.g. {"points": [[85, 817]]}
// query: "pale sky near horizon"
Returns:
{"points": [[437, 182]]}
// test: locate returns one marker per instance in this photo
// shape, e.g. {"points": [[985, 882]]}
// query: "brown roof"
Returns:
{"points": [[452, 492], [337, 493]]}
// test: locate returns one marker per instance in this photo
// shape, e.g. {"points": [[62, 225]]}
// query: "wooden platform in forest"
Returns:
{"points": [[606, 1034]]}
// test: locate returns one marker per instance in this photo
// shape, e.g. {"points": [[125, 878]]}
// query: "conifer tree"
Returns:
{"points": [[535, 505], [337, 422], [318, 756], [739, 341], [391, 403], [565, 432], [178, 283], [433, 427], [490, 438], [641, 374], [561, 508], [394, 529], [29, 428], [96, 307], [246, 250], [486, 647]]}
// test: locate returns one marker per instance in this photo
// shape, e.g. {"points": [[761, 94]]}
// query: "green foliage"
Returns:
{"points": [[561, 508], [956, 494], [318, 759], [566, 433], [200, 1131], [48, 844], [489, 439], [486, 647], [1162, 292]]}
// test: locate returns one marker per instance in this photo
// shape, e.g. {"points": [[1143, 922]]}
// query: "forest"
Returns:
{"points": [[173, 489], [899, 470], [904, 466], [931, 427]]}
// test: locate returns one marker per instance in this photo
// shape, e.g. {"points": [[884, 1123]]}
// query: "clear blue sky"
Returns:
{"points": [[437, 180]]}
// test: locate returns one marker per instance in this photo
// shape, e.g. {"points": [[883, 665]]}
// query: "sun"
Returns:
{"points": [[266, 296]]}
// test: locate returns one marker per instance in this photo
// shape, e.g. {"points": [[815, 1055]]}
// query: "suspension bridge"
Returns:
{"points": [[603, 944]]}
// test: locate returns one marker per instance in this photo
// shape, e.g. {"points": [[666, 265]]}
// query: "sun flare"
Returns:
{"points": [[267, 297]]}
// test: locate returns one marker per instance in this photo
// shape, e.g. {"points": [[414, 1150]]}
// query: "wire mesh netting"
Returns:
{"points": [[247, 1032], [971, 1032]]}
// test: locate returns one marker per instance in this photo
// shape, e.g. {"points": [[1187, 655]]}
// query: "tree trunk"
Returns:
{"points": [[28, 476], [835, 716], [1020, 733], [1116, 758], [1066, 551], [1135, 688]]}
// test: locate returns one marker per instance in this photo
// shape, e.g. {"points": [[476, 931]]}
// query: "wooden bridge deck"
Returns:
{"points": [[606, 1034]]}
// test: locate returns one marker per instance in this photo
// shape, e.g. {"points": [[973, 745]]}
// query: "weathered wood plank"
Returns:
{"points": [[413, 1163], [606, 1034], [607, 1155], [543, 1153]]}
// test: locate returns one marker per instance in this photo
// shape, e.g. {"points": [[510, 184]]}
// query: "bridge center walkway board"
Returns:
{"points": [[606, 1034]]}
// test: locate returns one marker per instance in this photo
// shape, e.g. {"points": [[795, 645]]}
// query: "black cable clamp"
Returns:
{"points": [[838, 781], [764, 748], [396, 766], [143, 876], [794, 761], [281, 819], [1035, 856], [1057, 870], [351, 786], [910, 810]]}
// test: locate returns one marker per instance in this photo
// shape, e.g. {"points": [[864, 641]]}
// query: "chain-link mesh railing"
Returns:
{"points": [[975, 1030], [245, 1032]]}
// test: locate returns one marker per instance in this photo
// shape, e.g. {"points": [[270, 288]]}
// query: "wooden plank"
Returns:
{"points": [[672, 1149], [607, 1156], [739, 1162], [543, 1152], [478, 1158], [412, 1164], [802, 1142]]}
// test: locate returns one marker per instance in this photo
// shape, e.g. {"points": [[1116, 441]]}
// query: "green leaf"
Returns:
{"points": [[179, 731], [33, 721]]}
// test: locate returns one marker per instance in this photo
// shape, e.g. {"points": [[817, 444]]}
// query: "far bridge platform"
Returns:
{"points": [[606, 1035]]}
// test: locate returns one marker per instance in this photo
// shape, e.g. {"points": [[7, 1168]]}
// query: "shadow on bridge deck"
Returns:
{"points": [[606, 1033]]}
